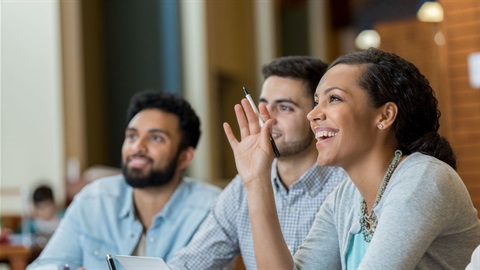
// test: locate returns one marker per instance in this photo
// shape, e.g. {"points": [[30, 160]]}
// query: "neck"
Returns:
{"points": [[151, 200], [291, 168], [368, 173]]}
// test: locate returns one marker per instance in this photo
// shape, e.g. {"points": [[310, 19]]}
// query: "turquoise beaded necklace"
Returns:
{"points": [[368, 222]]}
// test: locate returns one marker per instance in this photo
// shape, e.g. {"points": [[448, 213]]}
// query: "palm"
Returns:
{"points": [[253, 154]]}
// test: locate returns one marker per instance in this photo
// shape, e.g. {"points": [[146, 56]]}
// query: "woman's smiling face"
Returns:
{"points": [[343, 120]]}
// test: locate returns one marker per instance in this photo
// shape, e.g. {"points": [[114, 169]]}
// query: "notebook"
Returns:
{"points": [[139, 262]]}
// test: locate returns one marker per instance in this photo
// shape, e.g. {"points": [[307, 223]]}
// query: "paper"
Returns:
{"points": [[138, 262]]}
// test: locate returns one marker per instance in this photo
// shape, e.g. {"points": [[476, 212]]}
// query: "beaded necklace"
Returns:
{"points": [[368, 222]]}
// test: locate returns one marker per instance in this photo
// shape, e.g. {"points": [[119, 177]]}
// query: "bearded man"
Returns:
{"points": [[151, 209]]}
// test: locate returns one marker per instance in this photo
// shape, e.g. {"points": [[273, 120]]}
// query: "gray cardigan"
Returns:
{"points": [[426, 221]]}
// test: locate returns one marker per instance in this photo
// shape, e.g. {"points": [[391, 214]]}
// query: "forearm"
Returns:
{"points": [[271, 251]]}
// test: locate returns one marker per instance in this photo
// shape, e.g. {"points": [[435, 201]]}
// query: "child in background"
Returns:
{"points": [[46, 215]]}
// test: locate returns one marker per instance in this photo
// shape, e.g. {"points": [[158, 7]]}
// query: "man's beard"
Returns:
{"points": [[293, 148], [155, 178]]}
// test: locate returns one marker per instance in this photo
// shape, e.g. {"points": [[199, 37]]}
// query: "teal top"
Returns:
{"points": [[357, 247]]}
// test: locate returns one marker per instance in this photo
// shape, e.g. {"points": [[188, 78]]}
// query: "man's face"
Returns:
{"points": [[150, 150], [288, 102]]}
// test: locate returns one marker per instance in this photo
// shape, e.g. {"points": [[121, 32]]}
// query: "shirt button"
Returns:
{"points": [[152, 239], [312, 193], [95, 252], [292, 209]]}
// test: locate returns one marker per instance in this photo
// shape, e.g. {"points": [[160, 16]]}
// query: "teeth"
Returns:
{"points": [[325, 134]]}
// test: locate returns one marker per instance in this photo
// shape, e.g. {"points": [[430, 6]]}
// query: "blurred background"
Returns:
{"points": [[69, 68]]}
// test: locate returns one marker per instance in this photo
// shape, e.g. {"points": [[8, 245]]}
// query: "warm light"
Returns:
{"points": [[430, 12], [367, 39]]}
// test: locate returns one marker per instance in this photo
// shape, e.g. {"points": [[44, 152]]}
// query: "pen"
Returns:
{"points": [[254, 107], [110, 262]]}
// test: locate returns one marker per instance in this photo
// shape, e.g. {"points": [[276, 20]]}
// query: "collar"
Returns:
{"points": [[312, 181]]}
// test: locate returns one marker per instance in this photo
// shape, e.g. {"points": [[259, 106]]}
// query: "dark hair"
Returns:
{"points": [[389, 78], [42, 193], [188, 119], [306, 68]]}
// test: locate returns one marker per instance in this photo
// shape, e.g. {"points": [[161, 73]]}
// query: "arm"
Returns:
{"points": [[215, 244], [63, 247], [321, 249], [253, 158]]}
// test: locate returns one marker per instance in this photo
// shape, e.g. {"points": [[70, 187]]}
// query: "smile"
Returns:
{"points": [[276, 135], [321, 135]]}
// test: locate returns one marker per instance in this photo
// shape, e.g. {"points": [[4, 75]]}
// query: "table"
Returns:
{"points": [[17, 255]]}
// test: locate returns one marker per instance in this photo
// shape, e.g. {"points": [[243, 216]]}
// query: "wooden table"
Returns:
{"points": [[17, 255]]}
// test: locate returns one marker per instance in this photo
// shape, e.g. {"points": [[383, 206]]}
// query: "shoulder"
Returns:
{"points": [[199, 191], [107, 187], [418, 161], [419, 170], [233, 194]]}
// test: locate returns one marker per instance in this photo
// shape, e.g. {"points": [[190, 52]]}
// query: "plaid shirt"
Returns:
{"points": [[226, 231]]}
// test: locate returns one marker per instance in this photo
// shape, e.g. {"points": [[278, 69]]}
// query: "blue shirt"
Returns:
{"points": [[356, 250], [101, 220], [226, 231]]}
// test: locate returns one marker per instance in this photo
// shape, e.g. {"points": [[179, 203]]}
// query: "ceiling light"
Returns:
{"points": [[367, 39], [430, 12]]}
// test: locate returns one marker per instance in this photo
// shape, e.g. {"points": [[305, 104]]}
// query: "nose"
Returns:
{"points": [[139, 146], [316, 115]]}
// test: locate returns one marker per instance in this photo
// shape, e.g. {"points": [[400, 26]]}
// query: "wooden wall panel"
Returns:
{"points": [[461, 28], [446, 67]]}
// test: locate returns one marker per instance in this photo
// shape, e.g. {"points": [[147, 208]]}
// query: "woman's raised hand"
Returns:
{"points": [[253, 153]]}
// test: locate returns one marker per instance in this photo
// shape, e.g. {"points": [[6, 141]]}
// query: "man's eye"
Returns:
{"points": [[285, 108], [131, 136], [157, 139]]}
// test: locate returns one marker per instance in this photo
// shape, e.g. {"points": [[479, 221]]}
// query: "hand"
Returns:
{"points": [[253, 154]]}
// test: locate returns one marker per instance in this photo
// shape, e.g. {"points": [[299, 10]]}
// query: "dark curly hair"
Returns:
{"points": [[389, 78], [188, 119], [306, 68]]}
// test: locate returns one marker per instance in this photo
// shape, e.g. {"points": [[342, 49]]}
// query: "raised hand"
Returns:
{"points": [[253, 153]]}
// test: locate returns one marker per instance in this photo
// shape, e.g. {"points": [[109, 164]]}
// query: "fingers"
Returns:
{"points": [[264, 114], [247, 120], [230, 136], [253, 122], [242, 121]]}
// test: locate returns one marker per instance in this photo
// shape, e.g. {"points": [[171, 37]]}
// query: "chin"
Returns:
{"points": [[324, 162]]}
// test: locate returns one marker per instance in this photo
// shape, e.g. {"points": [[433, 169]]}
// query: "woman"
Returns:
{"points": [[404, 205]]}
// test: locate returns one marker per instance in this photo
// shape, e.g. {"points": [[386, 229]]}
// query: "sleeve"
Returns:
{"points": [[215, 244], [63, 247], [422, 203], [321, 250]]}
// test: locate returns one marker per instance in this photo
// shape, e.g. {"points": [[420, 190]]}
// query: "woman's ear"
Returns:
{"points": [[185, 158], [388, 114]]}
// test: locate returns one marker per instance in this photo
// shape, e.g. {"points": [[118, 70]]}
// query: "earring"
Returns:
{"points": [[380, 126]]}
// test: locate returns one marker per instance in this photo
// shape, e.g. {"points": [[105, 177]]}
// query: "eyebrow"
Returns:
{"points": [[326, 91], [153, 130], [281, 100]]}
